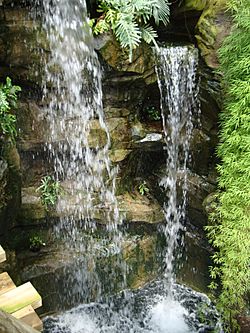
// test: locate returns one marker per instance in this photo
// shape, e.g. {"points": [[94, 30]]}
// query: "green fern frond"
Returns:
{"points": [[127, 31], [161, 12], [148, 34]]}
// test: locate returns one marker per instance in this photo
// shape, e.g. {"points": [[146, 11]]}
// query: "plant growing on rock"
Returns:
{"points": [[36, 243], [153, 113], [129, 20], [8, 98], [49, 191], [143, 188]]}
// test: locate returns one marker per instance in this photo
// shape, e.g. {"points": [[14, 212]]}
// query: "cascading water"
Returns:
{"points": [[72, 89], [176, 73], [73, 99], [155, 308], [73, 95]]}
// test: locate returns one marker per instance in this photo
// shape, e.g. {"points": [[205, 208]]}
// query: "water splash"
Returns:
{"points": [[176, 73]]}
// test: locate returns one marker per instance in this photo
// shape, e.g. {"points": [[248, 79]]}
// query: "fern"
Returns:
{"points": [[148, 34], [161, 12], [129, 20]]}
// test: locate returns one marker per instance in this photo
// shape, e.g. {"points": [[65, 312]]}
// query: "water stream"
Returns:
{"points": [[176, 73], [73, 99], [72, 95]]}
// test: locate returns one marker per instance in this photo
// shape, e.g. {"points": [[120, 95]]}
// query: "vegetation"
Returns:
{"points": [[8, 98], [143, 188], [129, 20], [49, 191], [153, 113], [231, 236], [36, 243]]}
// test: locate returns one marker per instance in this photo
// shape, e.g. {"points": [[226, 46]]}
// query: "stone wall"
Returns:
{"points": [[128, 89]]}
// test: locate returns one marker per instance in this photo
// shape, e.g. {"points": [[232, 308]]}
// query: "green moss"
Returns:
{"points": [[194, 4]]}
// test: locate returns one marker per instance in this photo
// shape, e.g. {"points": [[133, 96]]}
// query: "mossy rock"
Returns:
{"points": [[31, 208], [139, 208], [197, 5], [116, 57], [212, 28]]}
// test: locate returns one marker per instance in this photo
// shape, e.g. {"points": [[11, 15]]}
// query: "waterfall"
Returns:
{"points": [[72, 95], [73, 92], [176, 74]]}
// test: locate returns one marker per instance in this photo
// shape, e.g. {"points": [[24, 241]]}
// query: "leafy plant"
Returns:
{"points": [[153, 113], [8, 98], [36, 243], [129, 20], [229, 232], [143, 188], [49, 191]]}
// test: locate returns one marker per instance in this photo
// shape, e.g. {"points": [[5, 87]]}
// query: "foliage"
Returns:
{"points": [[129, 20], [36, 243], [8, 98], [49, 191], [143, 188], [153, 113], [231, 236]]}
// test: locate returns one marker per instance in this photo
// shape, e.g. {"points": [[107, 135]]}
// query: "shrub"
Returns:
{"points": [[231, 236]]}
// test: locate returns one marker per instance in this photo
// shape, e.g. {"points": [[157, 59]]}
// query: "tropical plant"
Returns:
{"points": [[49, 191], [143, 188], [8, 98], [129, 20], [229, 232]]}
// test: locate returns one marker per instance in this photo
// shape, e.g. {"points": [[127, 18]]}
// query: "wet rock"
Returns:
{"points": [[31, 208], [210, 203], [11, 186], [198, 190], [55, 268], [138, 208], [118, 155], [21, 46], [116, 57]]}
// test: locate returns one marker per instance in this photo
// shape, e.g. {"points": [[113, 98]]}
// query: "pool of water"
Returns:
{"points": [[150, 309]]}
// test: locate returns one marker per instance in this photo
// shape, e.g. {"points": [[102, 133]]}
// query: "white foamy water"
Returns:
{"points": [[176, 73], [151, 310], [167, 316]]}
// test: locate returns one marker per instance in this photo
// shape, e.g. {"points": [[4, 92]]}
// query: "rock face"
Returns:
{"points": [[212, 27], [10, 324], [129, 91]]}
